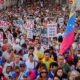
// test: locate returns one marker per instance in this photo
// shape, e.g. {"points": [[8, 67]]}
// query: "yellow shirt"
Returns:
{"points": [[39, 53], [47, 63]]}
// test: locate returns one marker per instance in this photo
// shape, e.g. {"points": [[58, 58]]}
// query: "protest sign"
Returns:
{"points": [[3, 24], [29, 24], [37, 31], [18, 23], [44, 42], [52, 30], [29, 33], [44, 31], [61, 21]]}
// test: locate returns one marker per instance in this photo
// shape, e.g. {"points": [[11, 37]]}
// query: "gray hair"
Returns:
{"points": [[73, 75]]}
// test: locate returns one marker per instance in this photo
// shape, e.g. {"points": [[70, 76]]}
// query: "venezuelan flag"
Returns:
{"points": [[69, 32]]}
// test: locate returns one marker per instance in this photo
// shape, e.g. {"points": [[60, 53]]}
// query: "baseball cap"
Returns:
{"points": [[12, 74], [25, 74]]}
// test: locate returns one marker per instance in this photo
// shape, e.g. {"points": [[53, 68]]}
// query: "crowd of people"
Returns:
{"points": [[22, 58]]}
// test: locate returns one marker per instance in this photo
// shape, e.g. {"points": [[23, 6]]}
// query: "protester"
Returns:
{"points": [[32, 33], [43, 75], [2, 77]]}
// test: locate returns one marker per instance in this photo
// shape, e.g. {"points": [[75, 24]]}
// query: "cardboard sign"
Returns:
{"points": [[37, 31], [18, 23], [44, 32], [29, 33], [3, 24], [29, 24], [52, 30], [60, 21], [44, 42]]}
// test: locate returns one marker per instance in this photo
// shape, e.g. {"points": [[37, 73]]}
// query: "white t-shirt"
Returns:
{"points": [[41, 50], [6, 55], [17, 47], [25, 57], [30, 65], [74, 45]]}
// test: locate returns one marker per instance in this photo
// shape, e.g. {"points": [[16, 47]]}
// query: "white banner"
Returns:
{"points": [[52, 30]]}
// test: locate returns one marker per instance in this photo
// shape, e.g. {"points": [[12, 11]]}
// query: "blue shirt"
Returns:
{"points": [[51, 74]]}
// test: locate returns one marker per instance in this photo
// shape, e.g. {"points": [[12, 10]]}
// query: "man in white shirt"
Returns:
{"points": [[30, 51]]}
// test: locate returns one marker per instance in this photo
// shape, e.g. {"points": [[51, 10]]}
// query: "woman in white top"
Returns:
{"points": [[31, 63]]}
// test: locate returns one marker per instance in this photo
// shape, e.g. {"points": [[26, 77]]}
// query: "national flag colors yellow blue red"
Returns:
{"points": [[69, 32]]}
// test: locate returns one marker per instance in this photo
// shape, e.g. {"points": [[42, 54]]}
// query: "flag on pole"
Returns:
{"points": [[69, 32]]}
